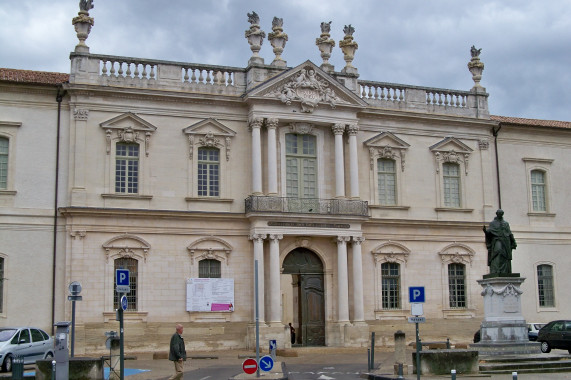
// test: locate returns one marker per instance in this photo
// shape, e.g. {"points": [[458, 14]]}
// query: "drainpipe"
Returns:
{"points": [[59, 98], [495, 133]]}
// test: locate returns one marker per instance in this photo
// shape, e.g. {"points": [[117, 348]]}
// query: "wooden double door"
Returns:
{"points": [[306, 269]]}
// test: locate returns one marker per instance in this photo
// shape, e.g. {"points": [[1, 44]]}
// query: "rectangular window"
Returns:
{"points": [[451, 176], [390, 274], [209, 268], [457, 285], [132, 266], [3, 163], [545, 286], [387, 182], [208, 172], [538, 190], [301, 166], [127, 168], [1, 285]]}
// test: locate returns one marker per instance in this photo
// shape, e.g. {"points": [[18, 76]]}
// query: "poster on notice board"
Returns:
{"points": [[210, 294]]}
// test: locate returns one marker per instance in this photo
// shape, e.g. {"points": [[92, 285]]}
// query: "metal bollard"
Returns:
{"points": [[400, 372], [368, 359], [18, 367], [53, 370], [447, 343], [453, 374], [514, 375]]}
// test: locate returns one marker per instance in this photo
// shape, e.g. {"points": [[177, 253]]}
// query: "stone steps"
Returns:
{"points": [[525, 364]]}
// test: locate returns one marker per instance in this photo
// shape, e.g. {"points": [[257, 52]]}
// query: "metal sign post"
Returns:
{"points": [[123, 287], [74, 291], [257, 318]]}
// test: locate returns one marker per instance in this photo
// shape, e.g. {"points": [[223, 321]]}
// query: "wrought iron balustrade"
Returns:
{"points": [[306, 205]]}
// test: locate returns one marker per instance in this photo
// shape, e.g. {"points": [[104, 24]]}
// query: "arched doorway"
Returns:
{"points": [[306, 269]]}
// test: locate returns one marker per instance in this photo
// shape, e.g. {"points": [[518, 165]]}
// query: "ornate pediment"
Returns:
{"points": [[451, 150], [129, 128], [386, 145], [127, 245], [210, 133], [308, 86], [209, 248], [391, 252], [457, 253]]}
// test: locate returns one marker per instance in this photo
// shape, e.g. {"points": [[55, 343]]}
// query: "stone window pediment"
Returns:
{"points": [[126, 245], [210, 248], [128, 128], [209, 133], [387, 145], [391, 252], [457, 253], [451, 150]]}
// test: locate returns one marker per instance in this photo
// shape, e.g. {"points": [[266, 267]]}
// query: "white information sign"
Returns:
{"points": [[210, 294]]}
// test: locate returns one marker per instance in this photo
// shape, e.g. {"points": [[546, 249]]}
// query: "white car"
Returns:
{"points": [[28, 342], [532, 330]]}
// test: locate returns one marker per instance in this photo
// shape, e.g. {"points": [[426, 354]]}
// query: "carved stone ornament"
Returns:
{"points": [[209, 140], [301, 128], [80, 114], [453, 157], [475, 66], [127, 245], [278, 40], [325, 45], [255, 36], [387, 152], [309, 89], [391, 252], [483, 144], [82, 24], [510, 290], [210, 248]]}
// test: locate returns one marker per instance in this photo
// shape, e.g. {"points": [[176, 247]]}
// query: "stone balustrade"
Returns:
{"points": [[147, 73], [106, 70], [423, 99]]}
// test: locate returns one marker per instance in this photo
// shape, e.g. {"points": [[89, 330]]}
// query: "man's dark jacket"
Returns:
{"points": [[177, 348]]}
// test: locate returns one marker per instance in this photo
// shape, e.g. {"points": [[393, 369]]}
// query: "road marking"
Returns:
{"points": [[323, 377]]}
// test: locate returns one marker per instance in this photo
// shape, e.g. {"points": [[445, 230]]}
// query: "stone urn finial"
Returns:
{"points": [[278, 40], [325, 45], [83, 23], [476, 67], [348, 46], [255, 37]]}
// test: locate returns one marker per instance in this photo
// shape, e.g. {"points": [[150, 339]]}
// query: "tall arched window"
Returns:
{"points": [[387, 185], [4, 144], [545, 289], [457, 285], [208, 172], [390, 274], [301, 165], [132, 265], [451, 177], [127, 168], [538, 190]]}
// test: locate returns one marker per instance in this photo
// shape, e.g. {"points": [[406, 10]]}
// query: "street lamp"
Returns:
{"points": [[74, 290]]}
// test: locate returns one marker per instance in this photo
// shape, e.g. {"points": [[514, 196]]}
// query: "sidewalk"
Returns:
{"points": [[384, 360]]}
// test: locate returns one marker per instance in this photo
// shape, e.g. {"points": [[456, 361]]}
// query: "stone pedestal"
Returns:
{"points": [[503, 330]]}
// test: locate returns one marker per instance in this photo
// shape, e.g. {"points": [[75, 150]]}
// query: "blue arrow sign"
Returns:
{"points": [[266, 363], [273, 344], [124, 303]]}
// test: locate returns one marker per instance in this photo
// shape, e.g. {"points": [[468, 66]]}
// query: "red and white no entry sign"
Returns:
{"points": [[250, 366]]}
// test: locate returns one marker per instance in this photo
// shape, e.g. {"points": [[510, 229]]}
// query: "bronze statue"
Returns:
{"points": [[500, 242]]}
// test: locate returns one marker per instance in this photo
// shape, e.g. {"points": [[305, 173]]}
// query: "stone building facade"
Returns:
{"points": [[345, 192]]}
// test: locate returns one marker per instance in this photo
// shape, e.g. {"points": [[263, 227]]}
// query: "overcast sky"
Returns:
{"points": [[526, 44]]}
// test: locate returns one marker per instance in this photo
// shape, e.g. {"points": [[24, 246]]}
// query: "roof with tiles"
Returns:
{"points": [[531, 122], [33, 77]]}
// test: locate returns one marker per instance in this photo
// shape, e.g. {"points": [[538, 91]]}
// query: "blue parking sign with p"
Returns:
{"points": [[416, 294], [122, 280]]}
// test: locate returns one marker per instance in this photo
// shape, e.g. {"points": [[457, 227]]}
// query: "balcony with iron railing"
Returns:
{"points": [[271, 204]]}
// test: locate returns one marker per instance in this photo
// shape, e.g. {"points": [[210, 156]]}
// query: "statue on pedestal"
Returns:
{"points": [[500, 242]]}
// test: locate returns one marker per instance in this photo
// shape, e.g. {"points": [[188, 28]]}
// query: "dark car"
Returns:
{"points": [[555, 334]]}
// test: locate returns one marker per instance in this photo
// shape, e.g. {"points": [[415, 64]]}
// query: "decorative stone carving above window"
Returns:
{"points": [[209, 133], [210, 248], [457, 253], [451, 150], [301, 128], [387, 145], [391, 252], [128, 128], [127, 245]]}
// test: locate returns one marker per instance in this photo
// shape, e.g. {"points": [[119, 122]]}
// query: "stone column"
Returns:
{"points": [[272, 157], [258, 240], [338, 130], [275, 310], [342, 282], [359, 313], [255, 127], [78, 151], [353, 161]]}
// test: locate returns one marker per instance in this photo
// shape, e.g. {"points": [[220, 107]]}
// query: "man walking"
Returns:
{"points": [[177, 353]]}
